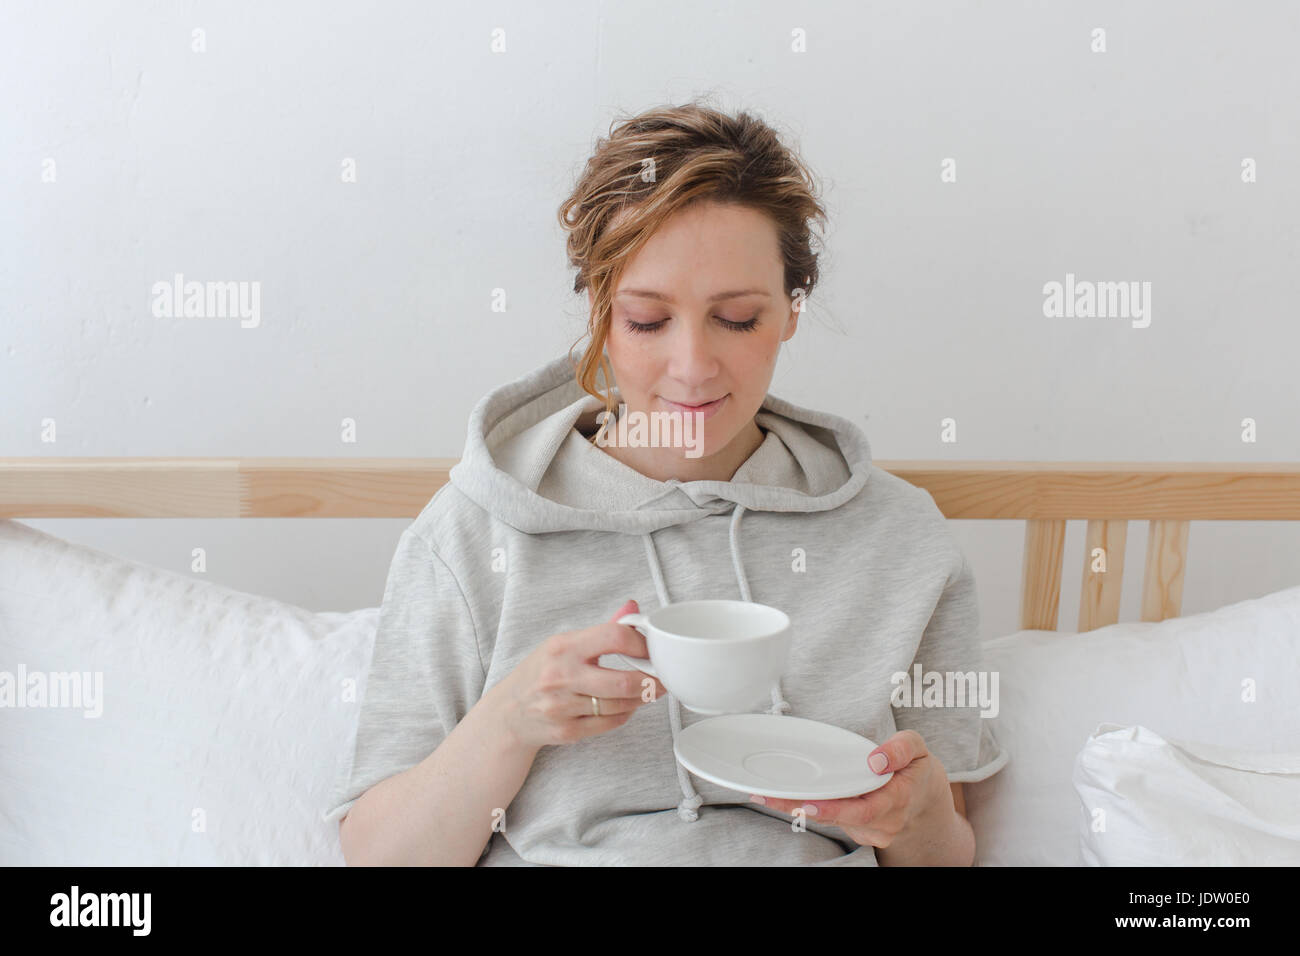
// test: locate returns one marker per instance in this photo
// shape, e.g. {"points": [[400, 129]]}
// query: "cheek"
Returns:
{"points": [[629, 366], [634, 349], [760, 357]]}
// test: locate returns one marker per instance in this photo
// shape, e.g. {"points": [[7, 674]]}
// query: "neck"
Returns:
{"points": [[662, 464]]}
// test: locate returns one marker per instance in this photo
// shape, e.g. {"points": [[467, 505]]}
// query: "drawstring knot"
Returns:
{"points": [[688, 809], [779, 704]]}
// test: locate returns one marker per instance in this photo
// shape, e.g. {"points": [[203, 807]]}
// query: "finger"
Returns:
{"points": [[855, 812], [629, 607], [899, 750], [784, 806], [609, 638], [590, 726], [615, 682], [608, 705], [847, 811]]}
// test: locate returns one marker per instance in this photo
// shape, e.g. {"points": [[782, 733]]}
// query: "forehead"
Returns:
{"points": [[704, 248]]}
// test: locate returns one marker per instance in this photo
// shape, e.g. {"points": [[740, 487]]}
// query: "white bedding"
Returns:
{"points": [[225, 715], [1148, 801], [1184, 678]]}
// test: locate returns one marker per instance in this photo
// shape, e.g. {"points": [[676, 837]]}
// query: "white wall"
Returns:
{"points": [[225, 165]]}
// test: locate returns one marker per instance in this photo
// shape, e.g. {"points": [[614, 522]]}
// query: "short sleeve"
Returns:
{"points": [[950, 650], [426, 672]]}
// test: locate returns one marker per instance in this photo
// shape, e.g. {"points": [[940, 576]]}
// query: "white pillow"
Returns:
{"points": [[1183, 677], [218, 707], [1148, 801]]}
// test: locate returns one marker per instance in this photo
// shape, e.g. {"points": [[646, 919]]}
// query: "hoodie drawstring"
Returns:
{"points": [[779, 703], [688, 808]]}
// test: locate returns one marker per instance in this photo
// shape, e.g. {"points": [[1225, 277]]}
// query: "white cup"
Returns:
{"points": [[716, 657]]}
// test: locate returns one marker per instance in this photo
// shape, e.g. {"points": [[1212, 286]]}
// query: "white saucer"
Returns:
{"points": [[773, 755]]}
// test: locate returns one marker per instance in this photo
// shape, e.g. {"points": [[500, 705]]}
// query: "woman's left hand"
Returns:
{"points": [[918, 788]]}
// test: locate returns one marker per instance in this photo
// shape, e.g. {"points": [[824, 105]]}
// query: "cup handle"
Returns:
{"points": [[637, 621]]}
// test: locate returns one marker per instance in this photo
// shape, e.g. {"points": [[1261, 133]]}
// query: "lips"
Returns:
{"points": [[708, 409]]}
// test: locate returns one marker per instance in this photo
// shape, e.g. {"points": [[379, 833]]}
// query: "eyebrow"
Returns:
{"points": [[652, 294]]}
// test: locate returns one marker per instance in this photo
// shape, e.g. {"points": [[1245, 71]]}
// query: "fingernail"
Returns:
{"points": [[878, 762], [757, 799], [810, 809]]}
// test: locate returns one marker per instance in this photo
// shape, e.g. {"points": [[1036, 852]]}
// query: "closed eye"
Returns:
{"points": [[645, 327]]}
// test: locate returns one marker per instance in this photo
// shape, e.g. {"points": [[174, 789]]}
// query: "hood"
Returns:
{"points": [[528, 463]]}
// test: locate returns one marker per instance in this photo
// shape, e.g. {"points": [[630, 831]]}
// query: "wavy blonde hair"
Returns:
{"points": [[695, 153]]}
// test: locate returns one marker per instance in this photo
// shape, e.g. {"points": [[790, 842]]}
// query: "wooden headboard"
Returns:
{"points": [[1042, 494]]}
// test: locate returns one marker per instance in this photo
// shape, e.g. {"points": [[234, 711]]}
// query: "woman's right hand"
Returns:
{"points": [[546, 699]]}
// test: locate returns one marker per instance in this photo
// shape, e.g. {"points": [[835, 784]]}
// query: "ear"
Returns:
{"points": [[791, 323]]}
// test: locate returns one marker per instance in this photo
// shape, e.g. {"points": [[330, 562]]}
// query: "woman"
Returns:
{"points": [[490, 729]]}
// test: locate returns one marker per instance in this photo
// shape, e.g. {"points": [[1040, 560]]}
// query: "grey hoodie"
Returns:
{"points": [[539, 531]]}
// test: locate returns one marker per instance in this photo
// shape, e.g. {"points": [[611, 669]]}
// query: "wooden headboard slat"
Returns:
{"points": [[1071, 490], [1103, 573], [1162, 578], [1040, 582], [219, 487], [1045, 495], [400, 487]]}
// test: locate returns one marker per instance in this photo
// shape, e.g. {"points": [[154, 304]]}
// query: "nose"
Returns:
{"points": [[694, 360]]}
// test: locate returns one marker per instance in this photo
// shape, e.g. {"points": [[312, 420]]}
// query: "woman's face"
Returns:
{"points": [[699, 316]]}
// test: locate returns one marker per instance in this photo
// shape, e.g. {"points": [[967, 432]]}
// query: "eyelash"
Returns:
{"points": [[642, 328]]}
